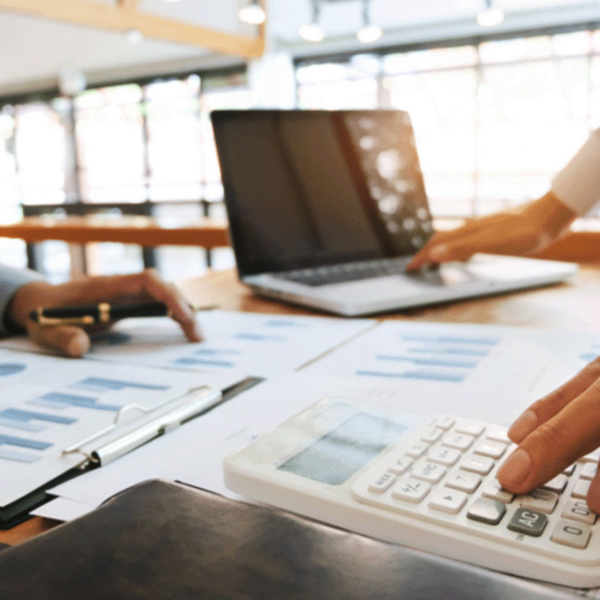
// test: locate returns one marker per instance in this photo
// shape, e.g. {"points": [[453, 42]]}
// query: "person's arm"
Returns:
{"points": [[12, 280], [74, 341], [553, 433], [527, 229]]}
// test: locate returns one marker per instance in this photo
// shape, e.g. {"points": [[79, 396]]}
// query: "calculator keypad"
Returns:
{"points": [[446, 473]]}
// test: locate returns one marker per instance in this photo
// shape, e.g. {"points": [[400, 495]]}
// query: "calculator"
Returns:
{"points": [[427, 483]]}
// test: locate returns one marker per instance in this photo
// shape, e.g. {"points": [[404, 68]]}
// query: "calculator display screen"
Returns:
{"points": [[340, 453]]}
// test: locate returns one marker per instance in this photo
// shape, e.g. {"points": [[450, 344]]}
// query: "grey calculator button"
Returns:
{"points": [[458, 441], [400, 466], [494, 491], [557, 485], [486, 511], [444, 456], [540, 500], [463, 481], [581, 489], [589, 470], [578, 510], [491, 449], [417, 450], [412, 491], [383, 483], [429, 472], [528, 522], [481, 465], [571, 534]]}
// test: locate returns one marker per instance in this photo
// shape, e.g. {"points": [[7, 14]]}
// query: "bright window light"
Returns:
{"points": [[369, 34], [253, 14], [312, 32]]}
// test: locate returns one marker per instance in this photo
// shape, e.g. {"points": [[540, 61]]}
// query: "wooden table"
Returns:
{"points": [[573, 305], [143, 231]]}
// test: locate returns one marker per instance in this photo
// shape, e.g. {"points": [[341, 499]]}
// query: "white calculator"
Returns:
{"points": [[426, 483]]}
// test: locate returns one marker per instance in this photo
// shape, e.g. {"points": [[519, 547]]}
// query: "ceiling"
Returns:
{"points": [[33, 51]]}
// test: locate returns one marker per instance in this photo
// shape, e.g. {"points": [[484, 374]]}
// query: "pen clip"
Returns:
{"points": [[53, 322]]}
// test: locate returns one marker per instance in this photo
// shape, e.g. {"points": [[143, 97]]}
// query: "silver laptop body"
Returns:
{"points": [[326, 208]]}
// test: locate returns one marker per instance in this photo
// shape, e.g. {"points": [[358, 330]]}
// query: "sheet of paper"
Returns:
{"points": [[485, 363], [49, 404], [62, 509], [194, 453], [261, 345]]}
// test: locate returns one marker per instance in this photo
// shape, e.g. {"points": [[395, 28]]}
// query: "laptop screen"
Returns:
{"points": [[314, 188]]}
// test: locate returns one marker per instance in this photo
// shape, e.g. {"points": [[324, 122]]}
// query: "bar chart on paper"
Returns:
{"points": [[50, 404], [490, 361], [260, 345]]}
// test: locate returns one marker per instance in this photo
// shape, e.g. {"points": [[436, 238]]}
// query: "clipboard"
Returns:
{"points": [[123, 436]]}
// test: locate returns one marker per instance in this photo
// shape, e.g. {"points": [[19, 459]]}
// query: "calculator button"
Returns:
{"points": [[473, 429], [432, 435], [494, 491], [581, 489], [569, 471], [491, 449], [578, 510], [400, 466], [591, 457], [417, 450], [540, 500], [411, 491], [498, 435], [571, 534], [444, 456], [463, 481], [383, 484], [589, 470], [528, 522], [478, 464], [444, 423], [486, 511], [429, 472], [448, 501], [458, 441], [558, 484]]}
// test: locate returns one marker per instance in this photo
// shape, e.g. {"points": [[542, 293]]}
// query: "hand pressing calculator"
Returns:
{"points": [[426, 483]]}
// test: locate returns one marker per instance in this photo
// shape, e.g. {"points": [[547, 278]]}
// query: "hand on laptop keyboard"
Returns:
{"points": [[514, 233]]}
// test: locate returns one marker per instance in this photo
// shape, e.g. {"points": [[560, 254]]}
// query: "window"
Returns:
{"points": [[494, 120]]}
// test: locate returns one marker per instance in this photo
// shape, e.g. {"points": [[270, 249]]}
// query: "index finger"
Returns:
{"points": [[555, 444]]}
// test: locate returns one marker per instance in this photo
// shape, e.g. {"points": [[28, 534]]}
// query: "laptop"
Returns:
{"points": [[326, 209]]}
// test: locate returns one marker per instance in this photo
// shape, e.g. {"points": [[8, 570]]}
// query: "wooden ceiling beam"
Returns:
{"points": [[125, 16]]}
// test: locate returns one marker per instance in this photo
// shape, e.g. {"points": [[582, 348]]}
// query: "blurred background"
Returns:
{"points": [[501, 95]]}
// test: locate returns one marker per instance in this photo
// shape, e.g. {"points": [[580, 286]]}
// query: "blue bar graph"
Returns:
{"points": [[101, 384], [208, 362], [22, 419], [455, 351], [217, 352], [23, 442], [448, 339], [422, 375], [285, 323], [259, 337], [431, 362], [58, 399], [7, 369], [17, 456]]}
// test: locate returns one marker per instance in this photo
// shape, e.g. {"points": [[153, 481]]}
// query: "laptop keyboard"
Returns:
{"points": [[347, 272]]}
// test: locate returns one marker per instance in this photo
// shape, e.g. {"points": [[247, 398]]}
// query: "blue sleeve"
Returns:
{"points": [[10, 281]]}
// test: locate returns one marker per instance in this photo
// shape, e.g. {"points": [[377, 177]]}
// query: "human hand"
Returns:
{"points": [[553, 433], [74, 341], [515, 233]]}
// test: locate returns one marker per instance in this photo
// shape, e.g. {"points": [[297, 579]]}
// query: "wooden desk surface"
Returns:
{"points": [[573, 305], [143, 231]]}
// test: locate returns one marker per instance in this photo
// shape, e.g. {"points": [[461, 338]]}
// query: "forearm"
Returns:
{"points": [[11, 281]]}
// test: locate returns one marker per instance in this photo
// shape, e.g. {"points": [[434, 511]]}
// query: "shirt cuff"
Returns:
{"points": [[578, 184], [12, 280]]}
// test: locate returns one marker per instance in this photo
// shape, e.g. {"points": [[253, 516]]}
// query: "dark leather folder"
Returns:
{"points": [[166, 541]]}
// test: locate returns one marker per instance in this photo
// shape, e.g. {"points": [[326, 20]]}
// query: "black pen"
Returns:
{"points": [[96, 313]]}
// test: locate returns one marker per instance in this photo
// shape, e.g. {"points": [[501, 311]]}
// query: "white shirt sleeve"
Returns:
{"points": [[578, 184]]}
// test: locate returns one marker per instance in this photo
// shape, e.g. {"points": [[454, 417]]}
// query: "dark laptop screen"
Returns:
{"points": [[315, 188]]}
